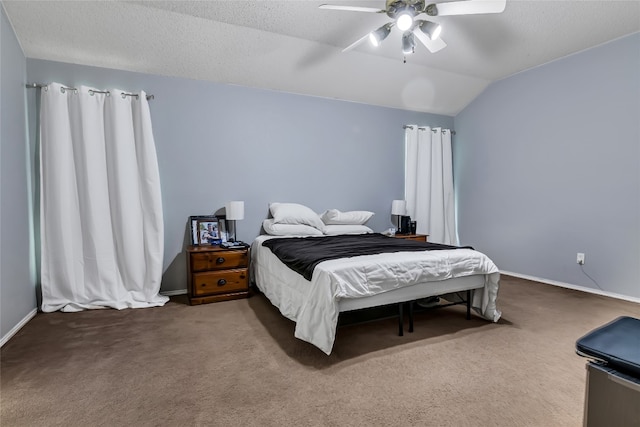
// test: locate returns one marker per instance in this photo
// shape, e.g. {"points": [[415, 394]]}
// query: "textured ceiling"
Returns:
{"points": [[294, 46]]}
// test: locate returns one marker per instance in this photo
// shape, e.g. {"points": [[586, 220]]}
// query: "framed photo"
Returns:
{"points": [[222, 228], [208, 233], [204, 230]]}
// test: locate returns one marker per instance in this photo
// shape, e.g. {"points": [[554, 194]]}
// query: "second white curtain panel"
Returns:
{"points": [[429, 183]]}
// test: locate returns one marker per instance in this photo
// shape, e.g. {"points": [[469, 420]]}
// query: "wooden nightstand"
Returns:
{"points": [[418, 237], [217, 274]]}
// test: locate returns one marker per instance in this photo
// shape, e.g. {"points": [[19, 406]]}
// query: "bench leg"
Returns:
{"points": [[468, 304], [400, 319], [410, 316]]}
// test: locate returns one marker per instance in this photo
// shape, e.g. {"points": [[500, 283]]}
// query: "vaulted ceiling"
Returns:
{"points": [[294, 46]]}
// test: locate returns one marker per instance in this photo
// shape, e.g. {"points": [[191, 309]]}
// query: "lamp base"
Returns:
{"points": [[232, 230]]}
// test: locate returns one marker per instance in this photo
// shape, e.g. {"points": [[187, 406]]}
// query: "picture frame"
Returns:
{"points": [[200, 225], [208, 232], [222, 228]]}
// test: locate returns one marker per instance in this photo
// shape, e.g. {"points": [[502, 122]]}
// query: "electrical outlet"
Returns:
{"points": [[580, 259]]}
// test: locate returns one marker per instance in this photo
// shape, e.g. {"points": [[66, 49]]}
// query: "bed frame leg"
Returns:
{"points": [[410, 316], [468, 304], [400, 319]]}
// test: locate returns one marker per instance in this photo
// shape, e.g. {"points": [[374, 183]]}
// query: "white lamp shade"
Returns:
{"points": [[235, 210], [399, 207]]}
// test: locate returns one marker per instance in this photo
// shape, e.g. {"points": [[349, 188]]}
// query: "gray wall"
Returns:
{"points": [[17, 282], [219, 142], [547, 164]]}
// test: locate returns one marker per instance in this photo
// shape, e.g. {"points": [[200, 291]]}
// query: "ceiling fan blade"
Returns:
{"points": [[471, 7], [351, 8], [356, 43], [432, 45]]}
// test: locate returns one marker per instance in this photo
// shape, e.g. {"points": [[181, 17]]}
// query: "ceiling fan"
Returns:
{"points": [[405, 12]]}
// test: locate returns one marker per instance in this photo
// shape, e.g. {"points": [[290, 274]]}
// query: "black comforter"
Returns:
{"points": [[302, 254]]}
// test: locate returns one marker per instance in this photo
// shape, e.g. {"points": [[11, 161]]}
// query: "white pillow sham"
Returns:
{"points": [[334, 216], [274, 229], [294, 213], [335, 229]]}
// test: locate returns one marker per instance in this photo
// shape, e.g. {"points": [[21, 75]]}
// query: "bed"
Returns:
{"points": [[364, 281]]}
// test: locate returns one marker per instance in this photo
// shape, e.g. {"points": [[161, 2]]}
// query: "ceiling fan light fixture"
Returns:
{"points": [[408, 43], [431, 29], [376, 37], [404, 21]]}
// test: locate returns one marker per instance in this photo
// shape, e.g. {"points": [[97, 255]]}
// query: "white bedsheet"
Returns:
{"points": [[314, 305]]}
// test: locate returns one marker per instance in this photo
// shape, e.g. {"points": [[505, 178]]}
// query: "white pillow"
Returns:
{"points": [[293, 213], [335, 229], [289, 229], [334, 216]]}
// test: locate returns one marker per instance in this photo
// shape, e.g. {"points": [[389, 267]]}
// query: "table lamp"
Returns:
{"points": [[399, 208], [235, 212]]}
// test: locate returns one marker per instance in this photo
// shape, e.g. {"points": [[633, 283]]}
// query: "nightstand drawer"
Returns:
{"points": [[218, 260], [213, 282]]}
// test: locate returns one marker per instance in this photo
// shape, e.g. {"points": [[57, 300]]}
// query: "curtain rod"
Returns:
{"points": [[453, 132], [91, 91]]}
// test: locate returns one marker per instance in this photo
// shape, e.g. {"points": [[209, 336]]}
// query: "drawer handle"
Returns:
{"points": [[220, 260], [222, 282]]}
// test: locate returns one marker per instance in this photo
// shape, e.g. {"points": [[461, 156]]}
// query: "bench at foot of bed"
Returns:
{"points": [[466, 301]]}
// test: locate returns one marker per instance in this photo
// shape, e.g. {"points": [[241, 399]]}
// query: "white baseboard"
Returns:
{"points": [[33, 312], [574, 287], [175, 292], [19, 326]]}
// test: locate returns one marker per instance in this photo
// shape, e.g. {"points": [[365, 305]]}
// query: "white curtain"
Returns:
{"points": [[102, 233], [429, 183]]}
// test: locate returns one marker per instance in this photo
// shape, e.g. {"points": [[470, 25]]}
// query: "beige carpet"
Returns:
{"points": [[237, 363]]}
